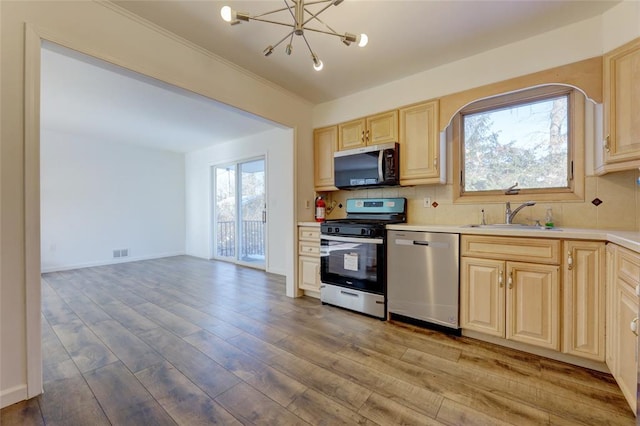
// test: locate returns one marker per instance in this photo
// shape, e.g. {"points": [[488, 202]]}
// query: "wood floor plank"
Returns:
{"points": [[220, 328], [254, 408], [334, 386], [129, 317], [317, 409], [207, 374], [407, 394], [451, 387], [56, 362], [124, 399], [85, 348], [25, 413], [129, 349], [453, 413], [388, 412], [184, 401], [71, 402], [279, 387], [166, 319]]}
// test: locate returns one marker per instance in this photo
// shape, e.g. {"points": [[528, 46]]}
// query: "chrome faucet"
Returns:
{"points": [[509, 215]]}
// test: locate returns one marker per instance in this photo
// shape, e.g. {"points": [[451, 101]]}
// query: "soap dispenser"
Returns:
{"points": [[548, 219]]}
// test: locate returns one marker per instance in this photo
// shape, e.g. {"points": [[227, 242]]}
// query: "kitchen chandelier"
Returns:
{"points": [[297, 9]]}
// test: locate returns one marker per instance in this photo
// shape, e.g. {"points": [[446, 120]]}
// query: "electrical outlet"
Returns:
{"points": [[426, 202]]}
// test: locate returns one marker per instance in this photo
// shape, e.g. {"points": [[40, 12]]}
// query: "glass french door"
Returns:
{"points": [[240, 215]]}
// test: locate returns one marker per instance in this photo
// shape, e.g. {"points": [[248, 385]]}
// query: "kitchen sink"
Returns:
{"points": [[514, 226]]}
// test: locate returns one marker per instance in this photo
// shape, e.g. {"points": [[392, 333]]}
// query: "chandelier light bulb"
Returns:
{"points": [[317, 64], [225, 12], [363, 40]]}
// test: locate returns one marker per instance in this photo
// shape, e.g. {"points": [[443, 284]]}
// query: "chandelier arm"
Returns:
{"points": [[273, 22], [318, 2], [319, 20], [283, 39], [315, 15], [308, 45], [324, 32], [270, 12]]}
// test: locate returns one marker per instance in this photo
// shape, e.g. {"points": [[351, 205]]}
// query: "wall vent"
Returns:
{"points": [[121, 253]]}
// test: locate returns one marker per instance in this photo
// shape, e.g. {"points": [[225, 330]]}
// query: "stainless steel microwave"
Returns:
{"points": [[366, 167]]}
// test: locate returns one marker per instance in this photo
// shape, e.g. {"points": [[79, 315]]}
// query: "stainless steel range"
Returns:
{"points": [[352, 255]]}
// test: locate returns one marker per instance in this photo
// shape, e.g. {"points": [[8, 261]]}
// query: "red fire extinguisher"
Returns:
{"points": [[320, 209]]}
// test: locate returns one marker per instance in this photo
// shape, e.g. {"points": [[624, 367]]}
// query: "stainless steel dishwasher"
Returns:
{"points": [[423, 277]]}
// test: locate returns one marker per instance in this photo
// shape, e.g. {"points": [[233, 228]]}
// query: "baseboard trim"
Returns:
{"points": [[12, 395], [59, 268]]}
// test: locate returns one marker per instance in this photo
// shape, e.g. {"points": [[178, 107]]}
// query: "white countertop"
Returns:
{"points": [[309, 224], [627, 239]]}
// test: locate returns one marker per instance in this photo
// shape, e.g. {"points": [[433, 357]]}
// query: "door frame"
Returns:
{"points": [[212, 208]]}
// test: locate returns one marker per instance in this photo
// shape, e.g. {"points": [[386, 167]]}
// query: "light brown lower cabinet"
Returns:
{"points": [[508, 298], [623, 276], [584, 299], [309, 259], [513, 300]]}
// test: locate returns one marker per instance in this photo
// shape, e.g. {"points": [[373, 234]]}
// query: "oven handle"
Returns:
{"points": [[352, 239]]}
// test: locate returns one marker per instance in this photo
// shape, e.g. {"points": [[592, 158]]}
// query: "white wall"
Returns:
{"points": [[562, 46], [97, 196], [276, 146]]}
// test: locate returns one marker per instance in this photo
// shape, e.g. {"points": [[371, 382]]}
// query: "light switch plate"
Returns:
{"points": [[426, 202]]}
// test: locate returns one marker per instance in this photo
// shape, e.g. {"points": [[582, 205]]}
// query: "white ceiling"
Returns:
{"points": [[86, 96], [405, 37], [92, 98]]}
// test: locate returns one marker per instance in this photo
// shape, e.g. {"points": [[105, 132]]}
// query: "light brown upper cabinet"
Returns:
{"points": [[622, 107], [372, 130], [420, 145], [325, 143]]}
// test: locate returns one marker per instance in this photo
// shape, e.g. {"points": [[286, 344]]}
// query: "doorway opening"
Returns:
{"points": [[240, 213]]}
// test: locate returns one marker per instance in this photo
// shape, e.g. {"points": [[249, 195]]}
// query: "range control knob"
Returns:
{"points": [[363, 231], [337, 230]]}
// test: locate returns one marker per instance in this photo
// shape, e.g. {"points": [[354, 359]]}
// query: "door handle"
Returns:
{"points": [[264, 216]]}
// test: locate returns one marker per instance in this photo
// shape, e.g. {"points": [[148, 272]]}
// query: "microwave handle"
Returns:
{"points": [[380, 171]]}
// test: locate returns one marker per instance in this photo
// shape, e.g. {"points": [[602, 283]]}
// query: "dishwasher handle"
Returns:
{"points": [[432, 244]]}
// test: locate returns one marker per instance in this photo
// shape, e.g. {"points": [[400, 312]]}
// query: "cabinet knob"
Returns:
{"points": [[634, 326], [569, 260]]}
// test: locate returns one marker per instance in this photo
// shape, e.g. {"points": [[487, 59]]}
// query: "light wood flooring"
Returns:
{"points": [[187, 341]]}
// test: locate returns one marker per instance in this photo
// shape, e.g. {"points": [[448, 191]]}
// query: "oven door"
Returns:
{"points": [[353, 262]]}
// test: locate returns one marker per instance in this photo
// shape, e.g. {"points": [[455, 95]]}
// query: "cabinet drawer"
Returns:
{"points": [[308, 233], [536, 250], [628, 266], [308, 248]]}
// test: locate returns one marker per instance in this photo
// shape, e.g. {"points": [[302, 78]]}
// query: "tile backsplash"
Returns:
{"points": [[619, 193]]}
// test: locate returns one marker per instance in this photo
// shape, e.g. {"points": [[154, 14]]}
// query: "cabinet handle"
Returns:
{"points": [[435, 162], [500, 279], [362, 137], [367, 136], [510, 280], [606, 144], [569, 260], [634, 326]]}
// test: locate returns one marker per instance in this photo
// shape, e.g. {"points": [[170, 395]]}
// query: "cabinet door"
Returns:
{"points": [[420, 144], [611, 306], [351, 134], [309, 273], [325, 143], [533, 304], [482, 295], [622, 103], [584, 299], [382, 128], [625, 342]]}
